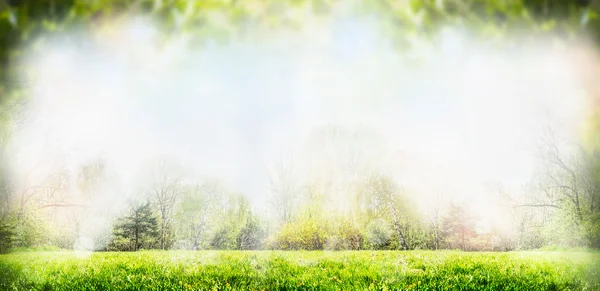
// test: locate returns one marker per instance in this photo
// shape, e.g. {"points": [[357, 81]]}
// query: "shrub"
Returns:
{"points": [[379, 234], [29, 230], [348, 236], [251, 236], [6, 235], [224, 239], [307, 234]]}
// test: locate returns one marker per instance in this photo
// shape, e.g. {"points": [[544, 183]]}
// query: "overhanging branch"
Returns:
{"points": [[63, 205], [538, 205]]}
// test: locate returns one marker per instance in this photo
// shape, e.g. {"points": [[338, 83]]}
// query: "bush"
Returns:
{"points": [[251, 236], [64, 239], [592, 231], [379, 234], [29, 230], [348, 236], [6, 235], [307, 234], [224, 239]]}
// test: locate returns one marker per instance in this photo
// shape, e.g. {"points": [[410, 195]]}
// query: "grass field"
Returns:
{"points": [[268, 270]]}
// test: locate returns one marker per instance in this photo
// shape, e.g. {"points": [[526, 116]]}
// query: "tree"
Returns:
{"points": [[379, 234], [384, 199], [232, 220], [458, 228], [6, 197], [197, 210], [566, 189], [434, 225], [30, 229], [284, 192], [138, 229], [47, 191], [6, 192], [166, 189], [251, 236], [7, 234]]}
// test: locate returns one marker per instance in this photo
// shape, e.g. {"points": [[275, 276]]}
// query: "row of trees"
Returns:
{"points": [[141, 228], [355, 208], [561, 207], [345, 203], [206, 218]]}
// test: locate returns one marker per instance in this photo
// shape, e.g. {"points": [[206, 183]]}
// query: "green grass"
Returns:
{"points": [[269, 270]]}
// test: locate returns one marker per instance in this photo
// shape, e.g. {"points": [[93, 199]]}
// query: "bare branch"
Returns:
{"points": [[63, 205], [538, 205]]}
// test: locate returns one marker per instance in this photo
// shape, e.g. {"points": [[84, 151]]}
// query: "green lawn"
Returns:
{"points": [[273, 270]]}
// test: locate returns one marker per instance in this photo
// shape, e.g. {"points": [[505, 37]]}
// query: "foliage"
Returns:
{"points": [[137, 230], [389, 201], [6, 235], [29, 229], [363, 270], [61, 238], [417, 237], [196, 213], [251, 235], [458, 229], [165, 189], [379, 234], [347, 236], [566, 193], [592, 230], [225, 238], [238, 228], [22, 22], [303, 234]]}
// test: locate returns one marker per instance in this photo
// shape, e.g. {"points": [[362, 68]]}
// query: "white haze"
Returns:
{"points": [[464, 120]]}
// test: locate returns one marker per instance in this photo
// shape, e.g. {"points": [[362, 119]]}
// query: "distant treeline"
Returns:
{"points": [[370, 213]]}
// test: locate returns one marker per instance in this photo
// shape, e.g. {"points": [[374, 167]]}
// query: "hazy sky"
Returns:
{"points": [[466, 118]]}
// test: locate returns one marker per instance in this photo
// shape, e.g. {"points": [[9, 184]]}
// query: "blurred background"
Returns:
{"points": [[296, 124]]}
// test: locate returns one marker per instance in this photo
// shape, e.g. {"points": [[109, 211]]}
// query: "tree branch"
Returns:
{"points": [[64, 205], [538, 205]]}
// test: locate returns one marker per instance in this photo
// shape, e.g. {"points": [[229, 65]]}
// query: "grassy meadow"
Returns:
{"points": [[301, 270]]}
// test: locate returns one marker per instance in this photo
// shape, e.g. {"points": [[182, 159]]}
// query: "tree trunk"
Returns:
{"points": [[200, 231], [397, 224], [436, 237], [135, 247], [136, 233], [163, 224]]}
